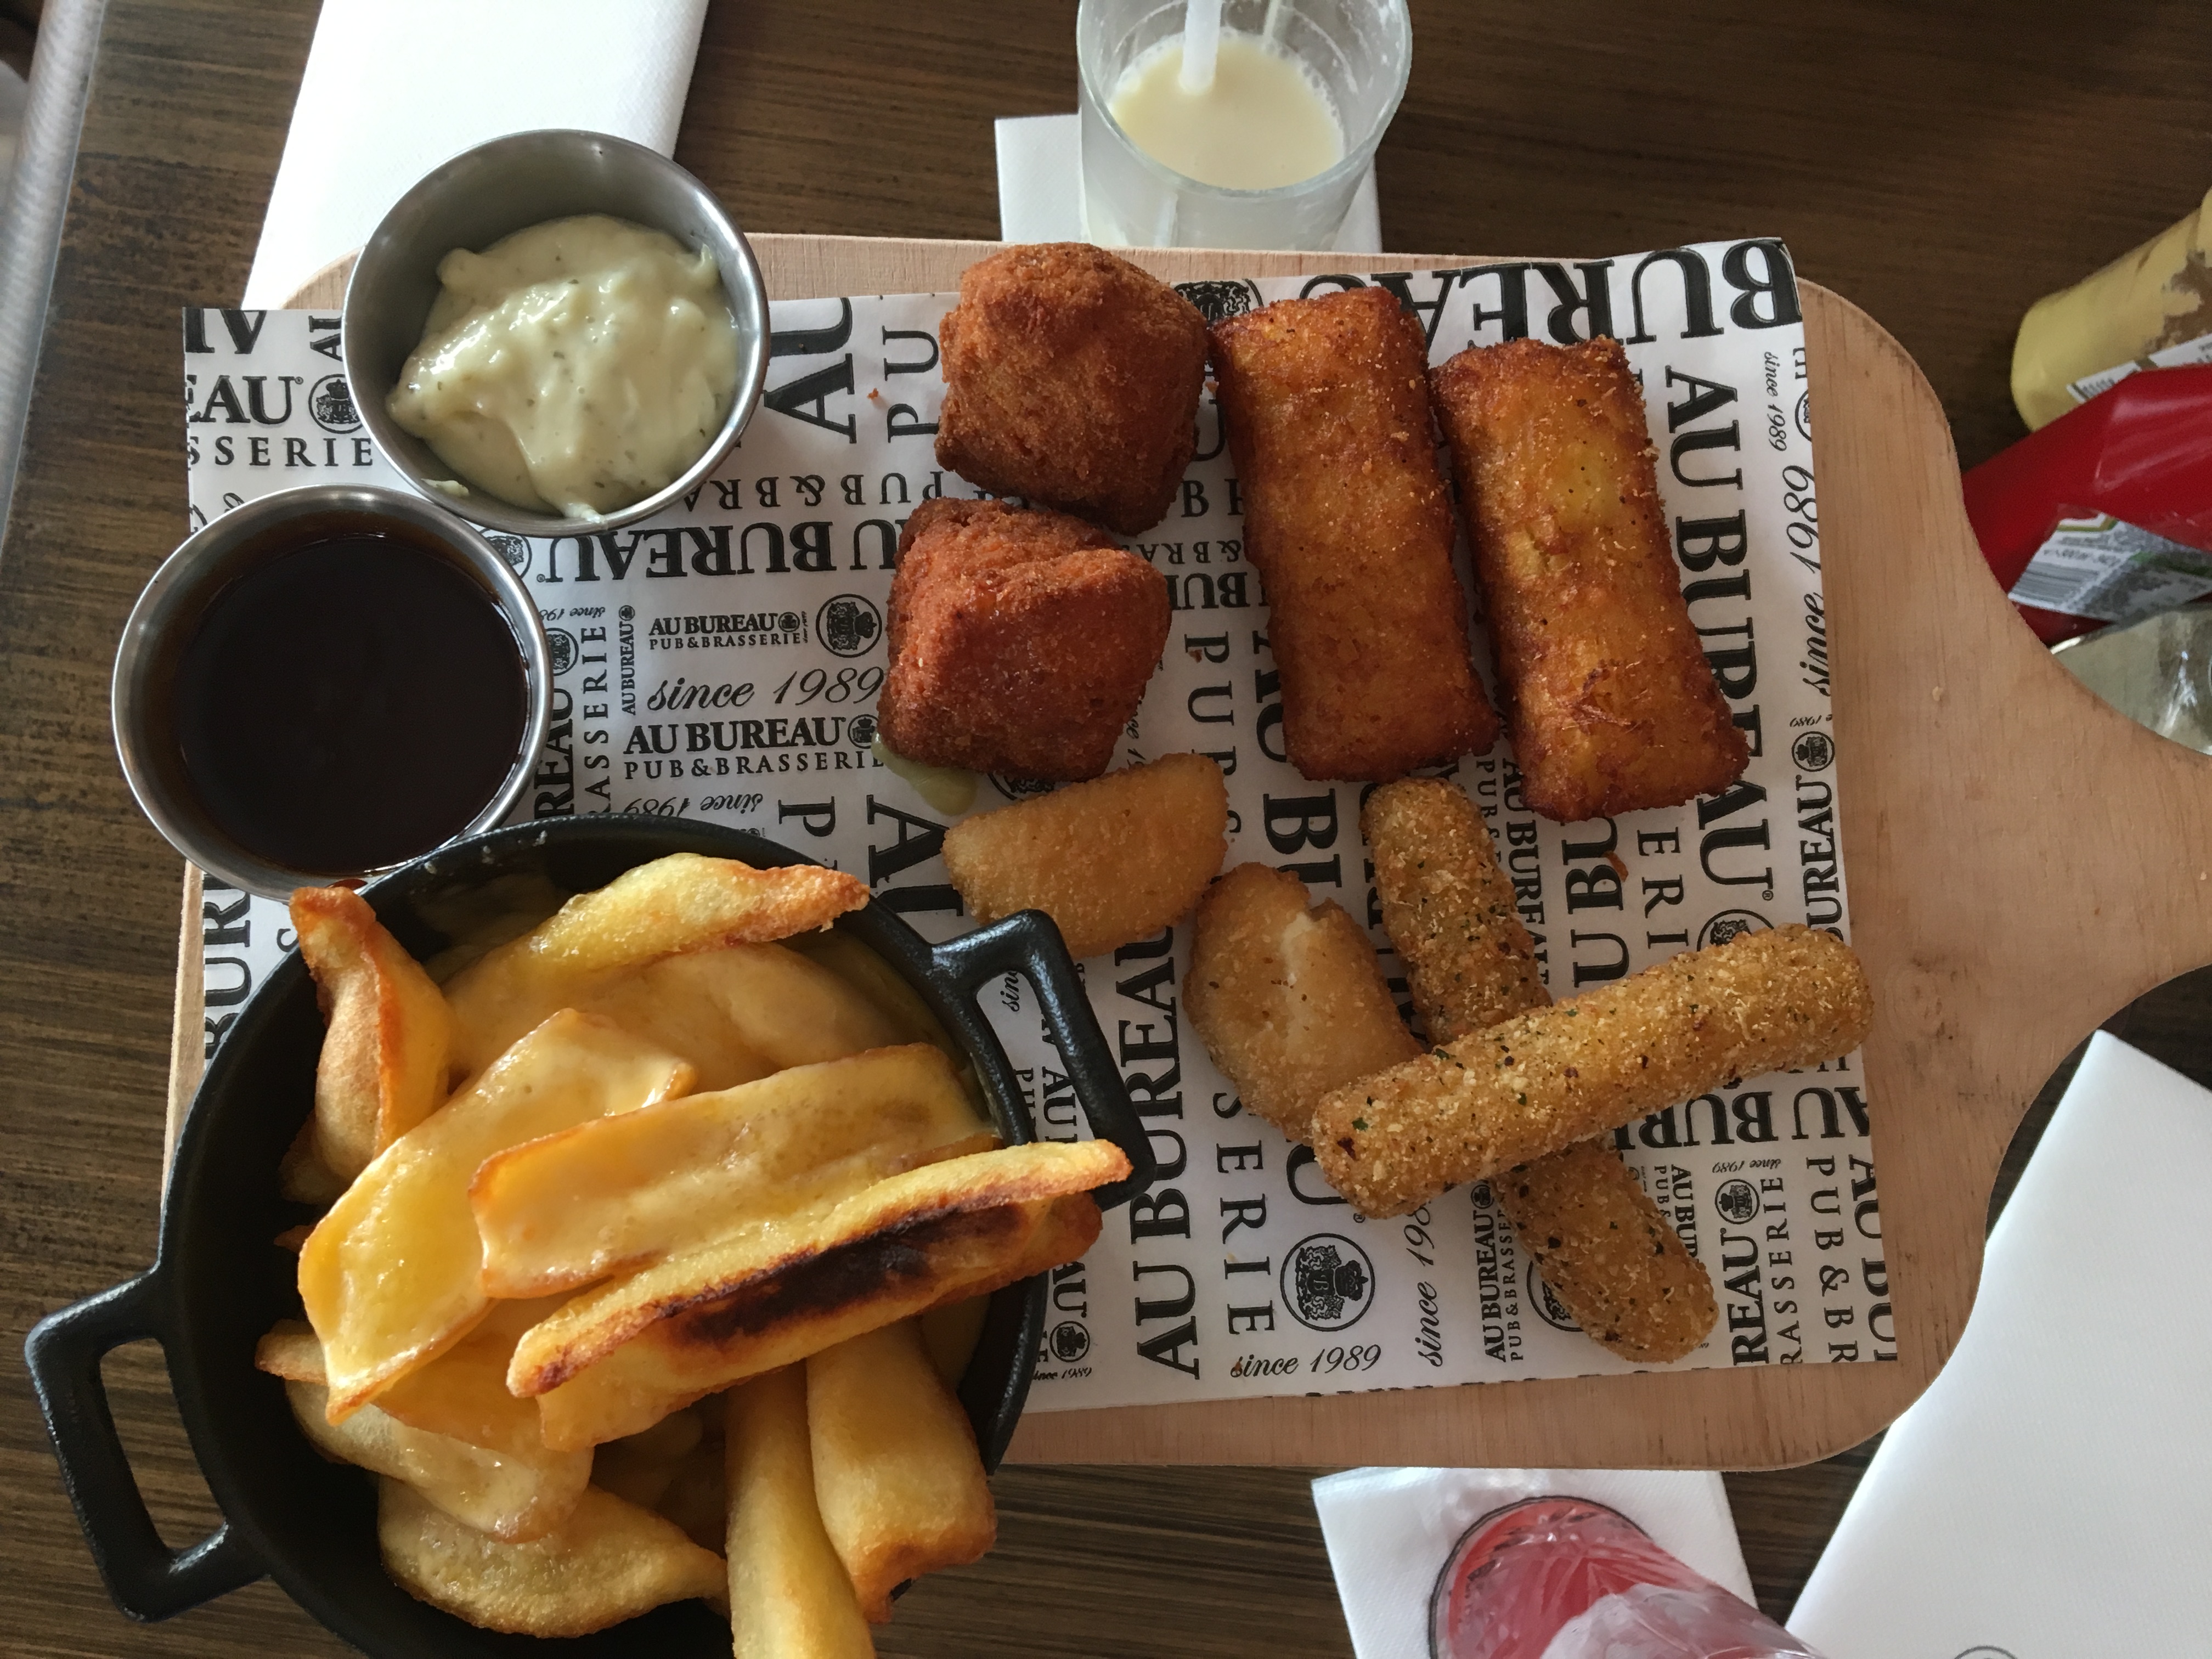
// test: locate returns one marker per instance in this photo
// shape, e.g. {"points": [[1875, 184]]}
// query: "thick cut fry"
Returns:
{"points": [[1111, 861], [670, 907], [512, 1496], [1764, 1002], [614, 1193], [1347, 521], [1448, 908], [640, 1467], [789, 1594], [1611, 700], [388, 1049], [951, 1329], [1602, 1245], [1598, 1239], [788, 1316], [461, 1394], [1289, 1002], [743, 1011], [880, 985], [755, 1290], [1068, 1227], [902, 1490], [393, 1275], [610, 1561]]}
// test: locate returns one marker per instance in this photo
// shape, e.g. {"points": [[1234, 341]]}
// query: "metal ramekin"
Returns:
{"points": [[493, 191], [172, 602]]}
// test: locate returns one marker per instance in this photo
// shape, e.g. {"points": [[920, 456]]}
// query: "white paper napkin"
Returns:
{"points": [[394, 87], [2050, 1497], [1390, 1532], [1041, 187]]}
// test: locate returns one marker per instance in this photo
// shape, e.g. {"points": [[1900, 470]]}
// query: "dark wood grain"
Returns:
{"points": [[1942, 167]]}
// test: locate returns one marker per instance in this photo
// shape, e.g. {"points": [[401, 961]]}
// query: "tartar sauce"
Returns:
{"points": [[574, 367]]}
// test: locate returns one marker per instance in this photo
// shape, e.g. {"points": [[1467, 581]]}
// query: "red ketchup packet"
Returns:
{"points": [[2106, 514]]}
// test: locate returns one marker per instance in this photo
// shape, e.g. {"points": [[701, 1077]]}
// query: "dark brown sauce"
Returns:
{"points": [[348, 705]]}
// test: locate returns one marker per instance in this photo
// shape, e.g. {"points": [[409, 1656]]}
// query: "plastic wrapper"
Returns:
{"points": [[1566, 1578], [2105, 515]]}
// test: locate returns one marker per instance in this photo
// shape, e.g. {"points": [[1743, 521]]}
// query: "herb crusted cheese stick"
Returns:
{"points": [[1448, 908], [1541, 1081], [1596, 1236]]}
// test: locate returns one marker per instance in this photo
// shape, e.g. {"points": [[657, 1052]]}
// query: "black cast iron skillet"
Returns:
{"points": [[219, 1281]]}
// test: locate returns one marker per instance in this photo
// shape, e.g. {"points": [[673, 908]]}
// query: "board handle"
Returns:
{"points": [[1028, 943], [147, 1579]]}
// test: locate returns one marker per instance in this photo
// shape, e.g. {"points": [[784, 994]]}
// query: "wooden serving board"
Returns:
{"points": [[2024, 861]]}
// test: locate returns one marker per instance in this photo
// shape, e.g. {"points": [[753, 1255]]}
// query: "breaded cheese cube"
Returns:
{"points": [[1072, 380], [1020, 641]]}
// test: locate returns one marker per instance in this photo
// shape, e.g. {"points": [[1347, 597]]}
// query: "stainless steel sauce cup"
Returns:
{"points": [[169, 609], [491, 192]]}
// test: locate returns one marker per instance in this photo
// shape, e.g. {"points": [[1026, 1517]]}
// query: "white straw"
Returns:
{"points": [[1202, 35]]}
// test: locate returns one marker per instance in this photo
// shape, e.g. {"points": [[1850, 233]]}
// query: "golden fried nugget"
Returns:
{"points": [[1072, 380], [1541, 1081], [1346, 518], [1111, 861], [1448, 908], [1601, 1244], [1288, 1000], [1611, 701], [1020, 641]]}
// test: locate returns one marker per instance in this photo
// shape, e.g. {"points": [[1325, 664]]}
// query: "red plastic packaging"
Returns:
{"points": [[2141, 452], [1566, 1578]]}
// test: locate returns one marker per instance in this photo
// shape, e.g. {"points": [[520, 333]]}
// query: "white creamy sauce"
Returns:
{"points": [[573, 367], [1265, 121]]}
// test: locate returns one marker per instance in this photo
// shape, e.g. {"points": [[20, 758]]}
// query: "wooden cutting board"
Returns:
{"points": [[2024, 861]]}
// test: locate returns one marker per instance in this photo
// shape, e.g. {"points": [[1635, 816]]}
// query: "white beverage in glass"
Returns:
{"points": [[1264, 122], [1270, 155]]}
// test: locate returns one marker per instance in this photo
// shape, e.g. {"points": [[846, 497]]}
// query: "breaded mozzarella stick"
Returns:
{"points": [[1596, 1236], [1543, 1080]]}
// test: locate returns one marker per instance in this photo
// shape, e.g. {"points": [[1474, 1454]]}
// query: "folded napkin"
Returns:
{"points": [[394, 87], [1041, 187], [1391, 1531], [2050, 1497]]}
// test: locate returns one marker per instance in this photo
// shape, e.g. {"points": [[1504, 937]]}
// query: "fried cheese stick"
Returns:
{"points": [[1288, 1000], [1611, 703], [1598, 1239], [1545, 1080], [1346, 518]]}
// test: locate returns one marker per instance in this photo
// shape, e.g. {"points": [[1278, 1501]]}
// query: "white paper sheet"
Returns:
{"points": [[1390, 1533], [2050, 1497], [773, 583], [392, 88]]}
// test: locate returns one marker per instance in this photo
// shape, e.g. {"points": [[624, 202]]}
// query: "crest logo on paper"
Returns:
{"points": [[1813, 752], [1069, 1341], [1731, 925], [1736, 1201], [1328, 1282], [1217, 300], [331, 402], [1546, 1301], [848, 624], [560, 647], [512, 548]]}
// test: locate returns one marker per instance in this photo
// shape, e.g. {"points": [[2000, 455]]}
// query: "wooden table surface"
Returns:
{"points": [[1940, 168]]}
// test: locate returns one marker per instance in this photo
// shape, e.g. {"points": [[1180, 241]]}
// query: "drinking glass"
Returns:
{"points": [[1360, 51]]}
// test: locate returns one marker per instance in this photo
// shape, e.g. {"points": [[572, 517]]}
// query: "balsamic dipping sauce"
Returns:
{"points": [[349, 704]]}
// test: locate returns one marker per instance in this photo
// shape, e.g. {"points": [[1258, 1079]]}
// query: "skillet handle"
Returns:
{"points": [[147, 1579], [1028, 943]]}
